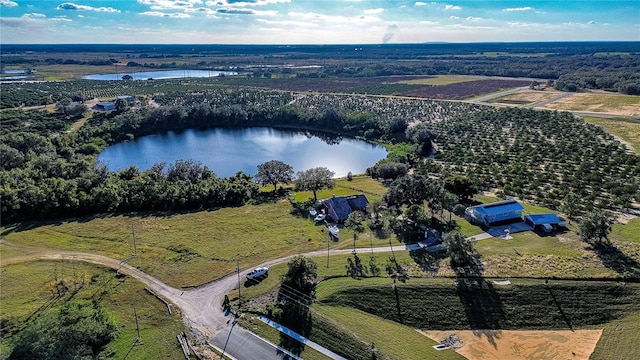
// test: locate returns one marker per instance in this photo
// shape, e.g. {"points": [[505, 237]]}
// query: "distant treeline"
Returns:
{"points": [[609, 66], [334, 51]]}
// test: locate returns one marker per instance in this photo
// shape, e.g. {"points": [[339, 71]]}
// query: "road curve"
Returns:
{"points": [[201, 307]]}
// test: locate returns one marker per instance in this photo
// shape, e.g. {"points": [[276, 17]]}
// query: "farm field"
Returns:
{"points": [[465, 90], [526, 97], [626, 129], [441, 80], [622, 105]]}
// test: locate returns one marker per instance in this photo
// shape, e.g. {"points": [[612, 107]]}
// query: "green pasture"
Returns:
{"points": [[627, 129], [186, 249], [359, 185], [28, 291]]}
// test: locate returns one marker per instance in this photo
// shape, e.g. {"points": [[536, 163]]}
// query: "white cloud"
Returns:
{"points": [[170, 4], [34, 15], [420, 3], [60, 18], [76, 7], [373, 11], [236, 11], [8, 3], [526, 8], [329, 19], [453, 17], [167, 15], [452, 7], [591, 22], [242, 3]]}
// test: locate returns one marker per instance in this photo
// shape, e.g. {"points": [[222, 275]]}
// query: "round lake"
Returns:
{"points": [[229, 150]]}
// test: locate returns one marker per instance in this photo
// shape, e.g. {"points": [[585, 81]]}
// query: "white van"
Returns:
{"points": [[257, 272]]}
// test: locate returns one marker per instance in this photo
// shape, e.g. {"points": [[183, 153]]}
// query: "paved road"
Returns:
{"points": [[245, 345]]}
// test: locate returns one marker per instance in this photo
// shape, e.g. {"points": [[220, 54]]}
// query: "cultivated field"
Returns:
{"points": [[622, 105], [526, 97], [626, 129], [441, 80]]}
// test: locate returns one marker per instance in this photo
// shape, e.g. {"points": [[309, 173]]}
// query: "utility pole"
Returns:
{"points": [[328, 237], [137, 326], [238, 271], [135, 249]]}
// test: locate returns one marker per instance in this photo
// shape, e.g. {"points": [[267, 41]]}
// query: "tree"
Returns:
{"points": [[315, 179], [300, 277], [77, 331], [127, 77], [274, 172], [459, 249], [355, 223], [461, 186], [595, 227], [408, 190], [571, 206]]}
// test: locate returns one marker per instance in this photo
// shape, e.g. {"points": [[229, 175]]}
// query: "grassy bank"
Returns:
{"points": [[480, 304], [28, 291]]}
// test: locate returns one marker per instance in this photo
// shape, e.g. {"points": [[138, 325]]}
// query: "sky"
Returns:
{"points": [[315, 21]]}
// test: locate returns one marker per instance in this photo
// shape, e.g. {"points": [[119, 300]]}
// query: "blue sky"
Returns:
{"points": [[315, 21]]}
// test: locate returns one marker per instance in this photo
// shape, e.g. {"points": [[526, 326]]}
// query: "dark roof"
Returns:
{"points": [[499, 207], [340, 207], [539, 219], [358, 202]]}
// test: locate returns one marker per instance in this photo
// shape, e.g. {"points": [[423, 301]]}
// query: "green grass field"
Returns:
{"points": [[626, 129], [359, 185], [28, 291]]}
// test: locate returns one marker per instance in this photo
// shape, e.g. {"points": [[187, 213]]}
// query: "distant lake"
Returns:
{"points": [[168, 74], [229, 150]]}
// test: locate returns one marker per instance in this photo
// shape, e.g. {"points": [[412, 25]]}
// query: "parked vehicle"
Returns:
{"points": [[258, 272]]}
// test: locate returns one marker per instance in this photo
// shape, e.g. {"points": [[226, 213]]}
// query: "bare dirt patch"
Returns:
{"points": [[528, 97], [623, 105], [520, 344]]}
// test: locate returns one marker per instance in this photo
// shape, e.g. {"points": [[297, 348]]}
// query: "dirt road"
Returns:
{"points": [[201, 307]]}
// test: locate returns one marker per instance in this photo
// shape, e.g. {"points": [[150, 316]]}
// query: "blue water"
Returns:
{"points": [[167, 74], [229, 150]]}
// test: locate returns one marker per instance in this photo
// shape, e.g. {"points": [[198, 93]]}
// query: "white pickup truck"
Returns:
{"points": [[257, 272]]}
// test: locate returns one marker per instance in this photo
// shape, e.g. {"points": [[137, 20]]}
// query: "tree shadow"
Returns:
{"points": [[482, 304], [557, 304], [296, 317], [614, 259], [428, 262]]}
